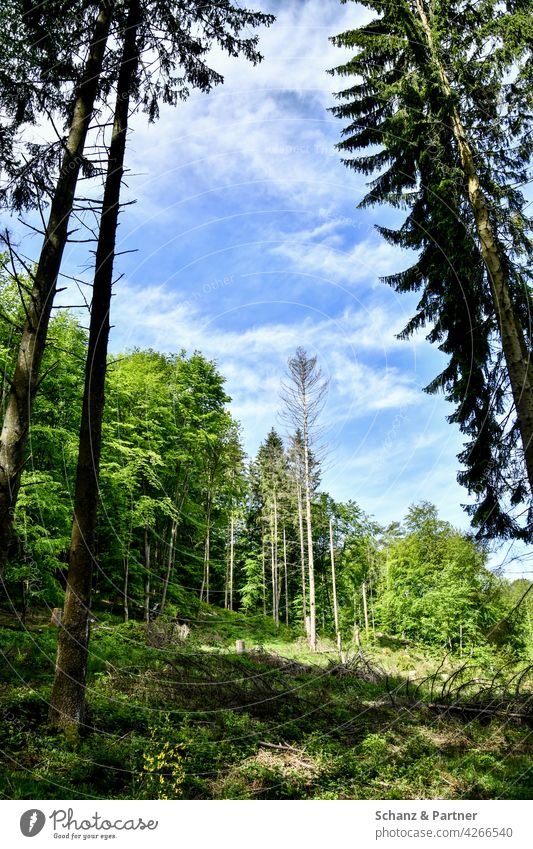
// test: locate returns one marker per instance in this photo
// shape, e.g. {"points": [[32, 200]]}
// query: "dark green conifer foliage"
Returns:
{"points": [[449, 135]]}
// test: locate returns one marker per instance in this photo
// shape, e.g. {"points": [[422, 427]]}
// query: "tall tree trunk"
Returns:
{"points": [[67, 705], [365, 609], [275, 568], [173, 534], [170, 563], [207, 558], [310, 555], [231, 559], [125, 587], [286, 577], [226, 578], [515, 351], [302, 555], [126, 557], [263, 572], [146, 576], [334, 587], [25, 380], [207, 553]]}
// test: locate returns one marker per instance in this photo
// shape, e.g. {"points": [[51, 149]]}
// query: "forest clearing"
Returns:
{"points": [[174, 718]]}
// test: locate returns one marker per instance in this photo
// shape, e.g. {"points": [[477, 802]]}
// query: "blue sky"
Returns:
{"points": [[248, 243]]}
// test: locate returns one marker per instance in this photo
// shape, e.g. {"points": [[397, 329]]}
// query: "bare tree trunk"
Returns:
{"points": [[226, 579], [231, 559], [310, 555], [334, 588], [356, 635], [302, 555], [286, 577], [67, 704], [126, 564], [146, 576], [25, 382], [125, 587], [173, 534], [264, 573], [207, 554], [515, 351], [170, 563], [275, 570], [365, 609]]}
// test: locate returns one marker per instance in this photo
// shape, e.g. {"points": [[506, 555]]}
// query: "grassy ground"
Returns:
{"points": [[175, 716]]}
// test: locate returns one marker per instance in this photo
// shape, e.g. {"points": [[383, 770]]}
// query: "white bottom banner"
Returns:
{"points": [[240, 825]]}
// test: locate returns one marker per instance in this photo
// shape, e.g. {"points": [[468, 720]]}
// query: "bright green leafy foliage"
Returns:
{"points": [[435, 588], [174, 489]]}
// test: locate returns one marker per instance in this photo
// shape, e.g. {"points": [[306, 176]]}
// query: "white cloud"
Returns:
{"points": [[266, 127], [254, 359], [367, 260]]}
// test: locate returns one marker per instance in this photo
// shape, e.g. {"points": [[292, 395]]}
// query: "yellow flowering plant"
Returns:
{"points": [[162, 773]]}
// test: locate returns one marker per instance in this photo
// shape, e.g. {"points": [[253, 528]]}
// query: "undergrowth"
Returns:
{"points": [[174, 712]]}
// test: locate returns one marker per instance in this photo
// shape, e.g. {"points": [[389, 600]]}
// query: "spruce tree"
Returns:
{"points": [[441, 96]]}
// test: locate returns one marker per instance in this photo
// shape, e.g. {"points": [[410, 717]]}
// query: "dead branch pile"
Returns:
{"points": [[507, 692]]}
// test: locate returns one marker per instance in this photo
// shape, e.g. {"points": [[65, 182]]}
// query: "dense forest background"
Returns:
{"points": [[183, 509]]}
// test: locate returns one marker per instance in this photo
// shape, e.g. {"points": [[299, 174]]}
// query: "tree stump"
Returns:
{"points": [[239, 646]]}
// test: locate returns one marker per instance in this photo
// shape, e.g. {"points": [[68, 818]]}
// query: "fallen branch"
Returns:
{"points": [[282, 746], [473, 709]]}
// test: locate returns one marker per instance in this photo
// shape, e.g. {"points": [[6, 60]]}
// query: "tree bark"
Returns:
{"points": [[25, 380], [310, 555], [170, 563], [275, 569], [146, 576], [173, 534], [365, 610], [263, 570], [125, 587], [126, 561], [67, 707], [334, 588], [302, 554], [207, 554], [231, 559], [286, 577]]}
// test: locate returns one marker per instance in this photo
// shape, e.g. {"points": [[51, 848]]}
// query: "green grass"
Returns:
{"points": [[278, 722]]}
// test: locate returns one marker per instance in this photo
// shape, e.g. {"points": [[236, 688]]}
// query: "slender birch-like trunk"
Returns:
{"points": [[263, 572], [302, 555], [286, 577], [365, 611], [334, 588], [310, 554], [231, 559], [170, 563], [275, 572]]}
